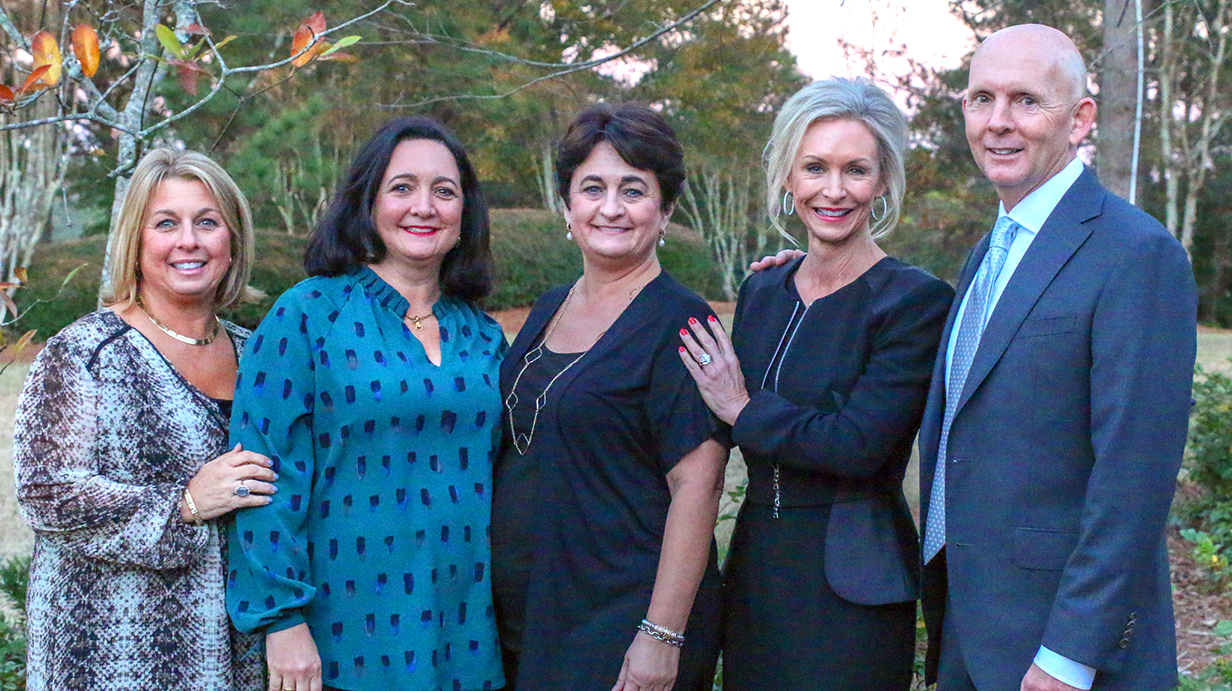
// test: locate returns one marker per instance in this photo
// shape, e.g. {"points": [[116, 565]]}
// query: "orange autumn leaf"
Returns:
{"points": [[35, 79], [6, 94], [196, 30], [46, 53], [308, 34], [85, 47], [21, 274]]}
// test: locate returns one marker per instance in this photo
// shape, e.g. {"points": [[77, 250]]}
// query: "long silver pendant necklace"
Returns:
{"points": [[522, 441], [781, 355]]}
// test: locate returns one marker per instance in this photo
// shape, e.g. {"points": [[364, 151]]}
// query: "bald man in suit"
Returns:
{"points": [[1059, 405]]}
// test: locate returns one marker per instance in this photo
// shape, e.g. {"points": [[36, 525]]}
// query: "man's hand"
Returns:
{"points": [[1039, 680]]}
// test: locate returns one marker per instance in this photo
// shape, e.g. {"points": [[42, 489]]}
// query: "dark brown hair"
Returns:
{"points": [[641, 136], [346, 237]]}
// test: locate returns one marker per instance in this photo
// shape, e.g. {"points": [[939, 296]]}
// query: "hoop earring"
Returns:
{"points": [[789, 204], [662, 237], [885, 207], [568, 232]]}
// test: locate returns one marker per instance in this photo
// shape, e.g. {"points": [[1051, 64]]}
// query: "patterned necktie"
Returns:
{"points": [[974, 319]]}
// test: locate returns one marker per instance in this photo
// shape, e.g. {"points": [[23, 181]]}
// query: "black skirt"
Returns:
{"points": [[786, 629]]}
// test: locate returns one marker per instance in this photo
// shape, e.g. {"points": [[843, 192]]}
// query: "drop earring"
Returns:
{"points": [[662, 237], [568, 232]]}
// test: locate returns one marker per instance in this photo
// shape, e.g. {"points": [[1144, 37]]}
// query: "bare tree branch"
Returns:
{"points": [[568, 68], [11, 29]]}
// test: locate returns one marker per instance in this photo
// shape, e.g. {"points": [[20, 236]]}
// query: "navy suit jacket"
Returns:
{"points": [[1064, 452]]}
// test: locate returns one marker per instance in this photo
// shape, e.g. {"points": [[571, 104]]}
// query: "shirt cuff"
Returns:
{"points": [[1064, 669]]}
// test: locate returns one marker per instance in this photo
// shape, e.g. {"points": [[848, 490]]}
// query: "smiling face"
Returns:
{"points": [[1023, 110], [614, 209], [185, 244], [834, 179], [418, 210]]}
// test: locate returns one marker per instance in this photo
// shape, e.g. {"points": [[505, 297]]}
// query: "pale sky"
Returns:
{"points": [[931, 34]]}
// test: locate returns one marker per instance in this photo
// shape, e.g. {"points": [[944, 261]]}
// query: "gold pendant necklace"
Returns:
{"points": [[418, 321], [179, 336]]}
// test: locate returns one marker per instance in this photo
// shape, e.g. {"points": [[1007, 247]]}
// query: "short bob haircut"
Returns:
{"points": [[346, 237], [641, 136], [162, 164], [839, 99]]}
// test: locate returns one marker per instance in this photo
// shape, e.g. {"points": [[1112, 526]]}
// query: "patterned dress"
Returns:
{"points": [[123, 594], [378, 535]]}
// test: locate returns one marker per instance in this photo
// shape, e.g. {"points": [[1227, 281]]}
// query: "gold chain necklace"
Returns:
{"points": [[522, 441], [179, 336], [418, 321]]}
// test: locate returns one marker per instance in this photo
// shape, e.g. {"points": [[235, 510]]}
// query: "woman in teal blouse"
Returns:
{"points": [[373, 386]]}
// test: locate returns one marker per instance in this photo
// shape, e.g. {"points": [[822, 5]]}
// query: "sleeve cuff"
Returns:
{"points": [[293, 619], [1064, 669]]}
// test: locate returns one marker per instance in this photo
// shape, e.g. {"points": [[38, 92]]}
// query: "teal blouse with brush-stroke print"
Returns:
{"points": [[378, 534]]}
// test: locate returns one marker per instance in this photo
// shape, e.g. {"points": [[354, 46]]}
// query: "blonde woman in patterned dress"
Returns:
{"points": [[121, 454]]}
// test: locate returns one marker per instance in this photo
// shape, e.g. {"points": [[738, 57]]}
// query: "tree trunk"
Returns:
{"points": [[1118, 96], [1167, 73], [32, 167]]}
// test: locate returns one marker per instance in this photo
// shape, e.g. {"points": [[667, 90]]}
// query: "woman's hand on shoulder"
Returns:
{"points": [[294, 663], [773, 260], [649, 665], [213, 487], [709, 356]]}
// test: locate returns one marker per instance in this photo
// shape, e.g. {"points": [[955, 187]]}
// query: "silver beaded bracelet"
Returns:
{"points": [[661, 633]]}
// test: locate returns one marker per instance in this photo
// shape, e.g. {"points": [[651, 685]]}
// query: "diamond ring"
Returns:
{"points": [[705, 359], [241, 490]]}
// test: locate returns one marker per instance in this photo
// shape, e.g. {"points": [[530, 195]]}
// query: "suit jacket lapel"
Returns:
{"points": [[930, 427], [1063, 233]]}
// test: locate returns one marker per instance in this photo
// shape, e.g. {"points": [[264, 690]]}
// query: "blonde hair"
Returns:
{"points": [[155, 167], [837, 98]]}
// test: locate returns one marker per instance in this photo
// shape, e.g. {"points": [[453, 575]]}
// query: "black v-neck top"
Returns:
{"points": [[576, 540]]}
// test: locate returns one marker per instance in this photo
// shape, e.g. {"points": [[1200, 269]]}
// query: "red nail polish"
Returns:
{"points": [[692, 320], [682, 349], [684, 333], [711, 318]]}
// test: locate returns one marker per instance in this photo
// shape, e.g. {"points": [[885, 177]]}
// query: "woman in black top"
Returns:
{"points": [[607, 486], [824, 382]]}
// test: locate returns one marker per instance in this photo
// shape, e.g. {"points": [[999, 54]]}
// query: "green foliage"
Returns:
{"points": [[1217, 678], [529, 247], [50, 265], [1209, 458], [14, 578], [1208, 464], [292, 163], [1210, 556], [14, 581]]}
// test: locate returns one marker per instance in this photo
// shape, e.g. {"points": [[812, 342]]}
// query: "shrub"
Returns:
{"points": [[14, 577], [1208, 465], [529, 247]]}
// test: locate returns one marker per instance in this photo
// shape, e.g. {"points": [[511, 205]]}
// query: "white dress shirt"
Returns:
{"points": [[1030, 214]]}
